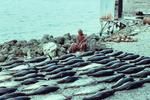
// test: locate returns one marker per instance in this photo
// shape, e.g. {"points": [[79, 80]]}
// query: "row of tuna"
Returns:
{"points": [[124, 71]]}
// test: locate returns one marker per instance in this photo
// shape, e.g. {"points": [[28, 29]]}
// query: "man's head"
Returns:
{"points": [[80, 32]]}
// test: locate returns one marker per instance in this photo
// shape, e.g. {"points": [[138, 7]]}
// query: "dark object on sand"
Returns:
{"points": [[66, 56], [130, 57], [139, 13], [51, 68], [11, 95], [32, 75], [113, 78], [137, 59], [97, 58], [24, 72], [37, 59], [58, 70], [132, 70], [63, 74], [12, 62], [106, 51], [102, 73], [29, 81], [4, 90], [141, 74], [101, 95], [116, 65], [45, 89], [122, 81], [143, 62], [88, 53], [130, 85], [105, 61], [72, 61], [117, 53], [20, 98], [68, 79], [123, 67]]}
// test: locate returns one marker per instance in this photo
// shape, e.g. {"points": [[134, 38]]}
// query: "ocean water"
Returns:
{"points": [[26, 19]]}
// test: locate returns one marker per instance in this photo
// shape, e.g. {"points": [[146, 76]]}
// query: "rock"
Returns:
{"points": [[21, 43], [45, 38], [33, 42], [61, 51], [12, 42], [50, 49], [25, 50], [92, 44], [13, 50], [38, 52], [5, 51], [60, 40], [11, 57], [5, 45], [67, 45], [51, 39], [2, 58], [19, 53], [67, 36], [94, 36]]}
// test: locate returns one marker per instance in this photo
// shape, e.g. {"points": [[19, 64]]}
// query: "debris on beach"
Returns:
{"points": [[120, 38]]}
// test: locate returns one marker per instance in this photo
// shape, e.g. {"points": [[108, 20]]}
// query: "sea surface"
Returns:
{"points": [[27, 19]]}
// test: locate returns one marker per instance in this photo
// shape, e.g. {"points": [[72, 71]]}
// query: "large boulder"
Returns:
{"points": [[21, 43], [91, 41], [2, 58], [60, 40], [50, 49], [67, 36], [12, 42]]}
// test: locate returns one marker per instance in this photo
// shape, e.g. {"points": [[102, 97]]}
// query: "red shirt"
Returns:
{"points": [[80, 38]]}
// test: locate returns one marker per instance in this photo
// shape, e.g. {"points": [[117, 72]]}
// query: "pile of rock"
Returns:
{"points": [[15, 49]]}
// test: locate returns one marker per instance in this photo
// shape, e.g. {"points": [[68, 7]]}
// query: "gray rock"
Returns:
{"points": [[13, 50], [19, 53], [33, 42], [5, 51], [93, 36], [21, 43], [6, 45], [12, 42], [67, 45], [60, 40], [2, 58], [45, 38], [67, 36], [25, 50], [11, 56], [91, 44]]}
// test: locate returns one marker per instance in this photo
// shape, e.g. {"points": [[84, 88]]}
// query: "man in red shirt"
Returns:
{"points": [[81, 43]]}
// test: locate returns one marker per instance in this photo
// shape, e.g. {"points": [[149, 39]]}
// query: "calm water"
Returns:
{"points": [[26, 19]]}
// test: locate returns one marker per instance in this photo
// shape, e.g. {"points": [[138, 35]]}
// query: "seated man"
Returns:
{"points": [[80, 44]]}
